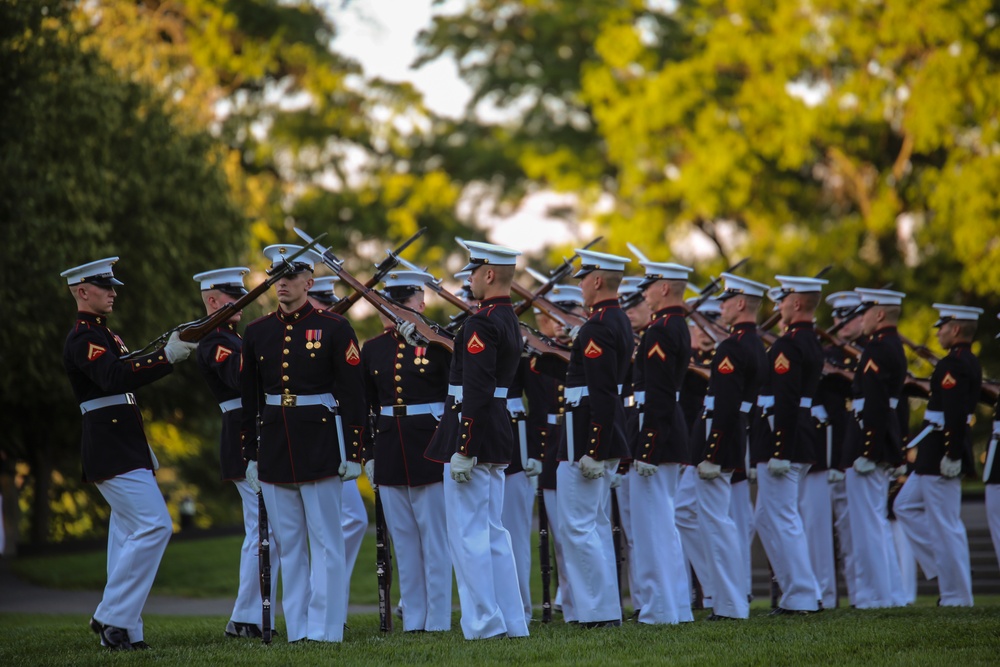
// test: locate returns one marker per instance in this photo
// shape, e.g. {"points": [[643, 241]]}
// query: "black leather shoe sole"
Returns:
{"points": [[602, 624], [718, 617]]}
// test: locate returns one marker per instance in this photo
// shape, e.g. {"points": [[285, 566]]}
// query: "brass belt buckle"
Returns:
{"points": [[399, 411], [288, 400]]}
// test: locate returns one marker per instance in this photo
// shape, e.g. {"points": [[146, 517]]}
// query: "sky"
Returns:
{"points": [[381, 35]]}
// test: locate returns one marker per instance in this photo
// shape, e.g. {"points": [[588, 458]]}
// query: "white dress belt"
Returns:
{"points": [[858, 404], [554, 418], [436, 409], [819, 412], [230, 405], [456, 392], [575, 394], [745, 407], [629, 401], [106, 402], [935, 417], [805, 402], [301, 400], [515, 406]]}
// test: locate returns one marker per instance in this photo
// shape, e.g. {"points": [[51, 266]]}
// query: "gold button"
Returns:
{"points": [[376, 372], [288, 339], [284, 364], [284, 378], [287, 390], [399, 390], [648, 435], [647, 445], [398, 366], [593, 441], [149, 361], [398, 378], [591, 452], [323, 420], [402, 346], [562, 410], [399, 356], [545, 432], [262, 357], [285, 351], [114, 421], [160, 357], [464, 436], [561, 399], [560, 388], [422, 370], [399, 400], [289, 327]]}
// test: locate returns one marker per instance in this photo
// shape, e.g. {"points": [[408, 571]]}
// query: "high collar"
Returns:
{"points": [[93, 318], [669, 310], [958, 347], [295, 316], [604, 305], [891, 329], [743, 326], [795, 326], [228, 326], [495, 301]]}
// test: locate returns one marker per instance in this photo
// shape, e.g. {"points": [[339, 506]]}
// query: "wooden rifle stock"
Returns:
{"points": [[555, 277], [429, 331], [568, 320], [382, 269]]}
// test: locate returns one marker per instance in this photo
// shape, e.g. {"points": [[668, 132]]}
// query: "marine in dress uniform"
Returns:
{"points": [[302, 375], [116, 456], [405, 387], [876, 449], [929, 506], [353, 513], [544, 384], [219, 362], [661, 362], [796, 363], [833, 394], [487, 352], [739, 370], [991, 478], [634, 304], [594, 441], [692, 403]]}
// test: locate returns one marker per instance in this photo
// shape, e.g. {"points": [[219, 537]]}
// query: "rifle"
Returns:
{"points": [[536, 342], [567, 320], [774, 317], [383, 565], [556, 276], [192, 332], [711, 328], [431, 332], [544, 558], [382, 269], [263, 560], [616, 541]]}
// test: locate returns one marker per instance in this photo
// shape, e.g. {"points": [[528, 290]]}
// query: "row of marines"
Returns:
{"points": [[676, 419]]}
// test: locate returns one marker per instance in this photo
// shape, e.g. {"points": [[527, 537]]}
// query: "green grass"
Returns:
{"points": [[911, 637]]}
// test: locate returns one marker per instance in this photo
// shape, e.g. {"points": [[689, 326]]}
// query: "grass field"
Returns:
{"points": [[910, 637], [919, 635]]}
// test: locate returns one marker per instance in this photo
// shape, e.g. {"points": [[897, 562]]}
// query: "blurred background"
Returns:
{"points": [[186, 135]]}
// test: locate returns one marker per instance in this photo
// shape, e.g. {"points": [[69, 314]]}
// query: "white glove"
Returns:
{"points": [[572, 332], [616, 480], [152, 456], [645, 469], [178, 350], [461, 467], [252, 478], [533, 468], [779, 467], [752, 473], [370, 471], [709, 470], [349, 470], [408, 330], [833, 475], [950, 467], [864, 466], [996, 427], [590, 468]]}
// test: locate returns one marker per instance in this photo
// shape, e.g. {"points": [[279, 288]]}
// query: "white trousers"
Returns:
{"points": [[909, 510], [993, 515], [624, 494], [842, 526], [248, 604], [482, 555], [516, 517], [138, 533], [564, 596], [907, 564], [354, 522], [934, 505], [692, 538], [723, 551], [658, 558], [418, 527], [876, 563], [779, 525], [306, 521], [817, 520], [585, 531], [741, 512]]}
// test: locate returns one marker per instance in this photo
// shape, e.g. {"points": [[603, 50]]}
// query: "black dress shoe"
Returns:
{"points": [[140, 646], [779, 611], [616, 623], [246, 630], [96, 626], [719, 617], [635, 616], [115, 639]]}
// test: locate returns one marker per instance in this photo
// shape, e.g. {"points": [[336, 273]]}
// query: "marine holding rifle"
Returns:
{"points": [[302, 376], [116, 455]]}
